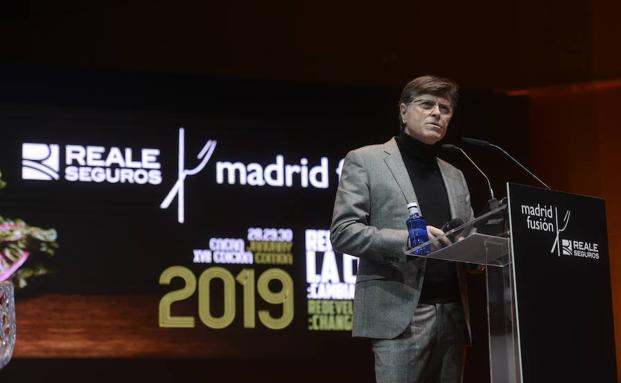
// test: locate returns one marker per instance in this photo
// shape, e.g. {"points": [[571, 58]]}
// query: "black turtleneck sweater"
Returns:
{"points": [[440, 285]]}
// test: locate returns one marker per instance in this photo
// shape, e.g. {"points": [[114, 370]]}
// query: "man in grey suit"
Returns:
{"points": [[414, 310]]}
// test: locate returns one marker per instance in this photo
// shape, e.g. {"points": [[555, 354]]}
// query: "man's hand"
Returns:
{"points": [[437, 237]]}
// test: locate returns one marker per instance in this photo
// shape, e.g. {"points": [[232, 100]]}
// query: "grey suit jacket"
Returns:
{"points": [[369, 223]]}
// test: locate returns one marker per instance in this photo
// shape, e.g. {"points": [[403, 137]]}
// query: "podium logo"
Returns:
{"points": [[571, 247], [546, 218], [567, 248], [559, 230], [40, 161]]}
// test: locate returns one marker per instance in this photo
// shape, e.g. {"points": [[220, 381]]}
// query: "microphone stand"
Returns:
{"points": [[492, 203], [478, 142]]}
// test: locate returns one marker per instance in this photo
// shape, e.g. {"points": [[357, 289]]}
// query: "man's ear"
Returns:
{"points": [[402, 111]]}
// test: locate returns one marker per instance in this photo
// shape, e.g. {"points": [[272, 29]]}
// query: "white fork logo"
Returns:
{"points": [[556, 246], [178, 189]]}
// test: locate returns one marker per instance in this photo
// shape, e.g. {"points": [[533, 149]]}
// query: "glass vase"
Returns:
{"points": [[7, 323]]}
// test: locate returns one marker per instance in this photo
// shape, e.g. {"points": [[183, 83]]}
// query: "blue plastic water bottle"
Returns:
{"points": [[417, 229]]}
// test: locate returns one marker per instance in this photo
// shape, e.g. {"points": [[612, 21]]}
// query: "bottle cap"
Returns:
{"points": [[413, 208]]}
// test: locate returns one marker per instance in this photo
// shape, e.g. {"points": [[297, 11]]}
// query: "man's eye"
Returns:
{"points": [[445, 109], [427, 104]]}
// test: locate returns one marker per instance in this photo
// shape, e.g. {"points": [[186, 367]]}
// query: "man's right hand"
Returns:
{"points": [[437, 237]]}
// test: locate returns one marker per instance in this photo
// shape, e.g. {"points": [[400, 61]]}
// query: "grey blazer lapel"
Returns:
{"points": [[452, 184], [397, 168]]}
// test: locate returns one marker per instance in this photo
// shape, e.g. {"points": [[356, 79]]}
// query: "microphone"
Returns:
{"points": [[450, 225], [494, 222], [478, 142], [489, 184], [475, 141]]}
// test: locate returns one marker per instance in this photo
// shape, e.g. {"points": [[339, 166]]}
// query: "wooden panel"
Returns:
{"points": [[78, 326]]}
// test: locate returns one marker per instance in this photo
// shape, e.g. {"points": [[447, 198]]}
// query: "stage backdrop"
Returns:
{"points": [[192, 214]]}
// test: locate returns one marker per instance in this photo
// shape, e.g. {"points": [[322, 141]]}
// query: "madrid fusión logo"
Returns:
{"points": [[97, 163], [546, 218]]}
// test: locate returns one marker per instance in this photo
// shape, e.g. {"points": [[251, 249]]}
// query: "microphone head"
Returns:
{"points": [[475, 141], [452, 224], [448, 146]]}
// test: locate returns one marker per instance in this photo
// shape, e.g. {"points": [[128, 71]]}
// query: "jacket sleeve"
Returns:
{"points": [[351, 232]]}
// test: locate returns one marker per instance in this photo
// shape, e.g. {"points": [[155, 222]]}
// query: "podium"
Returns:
{"points": [[549, 304]]}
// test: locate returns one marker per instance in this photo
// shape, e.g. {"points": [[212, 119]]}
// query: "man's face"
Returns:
{"points": [[427, 117]]}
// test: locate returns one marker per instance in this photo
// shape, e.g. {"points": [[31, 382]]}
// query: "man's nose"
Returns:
{"points": [[435, 111]]}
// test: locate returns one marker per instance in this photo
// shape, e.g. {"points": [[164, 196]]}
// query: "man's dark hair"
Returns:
{"points": [[433, 85]]}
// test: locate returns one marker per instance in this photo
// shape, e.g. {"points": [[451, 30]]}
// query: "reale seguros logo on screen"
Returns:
{"points": [[40, 162], [91, 163]]}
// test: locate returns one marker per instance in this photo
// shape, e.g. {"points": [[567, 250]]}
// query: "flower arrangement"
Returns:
{"points": [[20, 242]]}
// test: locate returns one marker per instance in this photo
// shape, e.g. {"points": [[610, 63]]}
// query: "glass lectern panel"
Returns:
{"points": [[467, 242], [486, 241]]}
